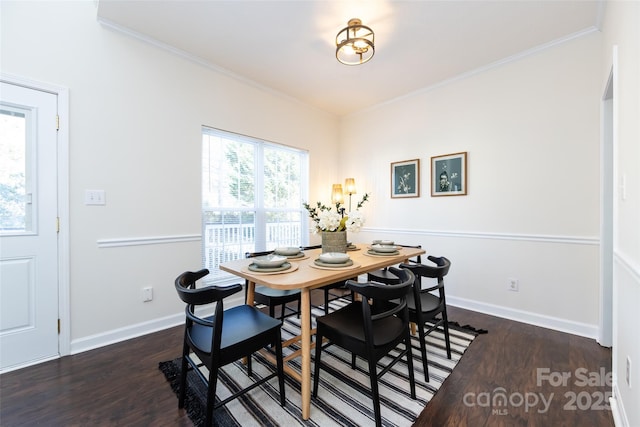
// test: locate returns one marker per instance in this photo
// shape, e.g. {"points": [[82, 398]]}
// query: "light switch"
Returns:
{"points": [[94, 197]]}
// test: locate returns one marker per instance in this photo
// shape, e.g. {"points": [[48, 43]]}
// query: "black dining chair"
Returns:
{"points": [[274, 297], [371, 334], [425, 305], [223, 338], [385, 276]]}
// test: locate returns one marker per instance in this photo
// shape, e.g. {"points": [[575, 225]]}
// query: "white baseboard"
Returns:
{"points": [[122, 334], [562, 325], [144, 328], [617, 409], [133, 331]]}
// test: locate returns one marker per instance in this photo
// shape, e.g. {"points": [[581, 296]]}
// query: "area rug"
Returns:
{"points": [[342, 401]]}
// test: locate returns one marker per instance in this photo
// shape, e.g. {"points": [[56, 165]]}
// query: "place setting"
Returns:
{"points": [[291, 252], [383, 248], [271, 264], [333, 261], [351, 247]]}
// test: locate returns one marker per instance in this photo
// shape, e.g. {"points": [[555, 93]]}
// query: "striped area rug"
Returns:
{"points": [[342, 401]]}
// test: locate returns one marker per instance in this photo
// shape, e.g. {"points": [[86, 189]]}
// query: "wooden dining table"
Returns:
{"points": [[305, 275]]}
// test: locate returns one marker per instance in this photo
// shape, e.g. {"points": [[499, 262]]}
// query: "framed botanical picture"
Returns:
{"points": [[449, 175], [405, 178]]}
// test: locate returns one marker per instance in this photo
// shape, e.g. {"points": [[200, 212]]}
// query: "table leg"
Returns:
{"points": [[251, 293], [305, 326]]}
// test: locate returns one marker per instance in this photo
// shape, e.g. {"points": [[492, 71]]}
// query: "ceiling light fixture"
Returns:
{"points": [[355, 43]]}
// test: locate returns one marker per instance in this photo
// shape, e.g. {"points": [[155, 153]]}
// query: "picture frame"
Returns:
{"points": [[449, 175], [405, 179]]}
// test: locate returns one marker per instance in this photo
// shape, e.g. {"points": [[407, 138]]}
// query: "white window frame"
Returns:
{"points": [[260, 242]]}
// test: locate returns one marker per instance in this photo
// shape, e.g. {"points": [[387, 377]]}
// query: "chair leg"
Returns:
{"points": [[446, 332], [280, 366], [183, 378], [326, 301], [412, 381], [316, 368], [211, 394], [373, 375], [423, 350]]}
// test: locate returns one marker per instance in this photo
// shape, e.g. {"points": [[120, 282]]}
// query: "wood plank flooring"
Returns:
{"points": [[509, 357], [120, 385]]}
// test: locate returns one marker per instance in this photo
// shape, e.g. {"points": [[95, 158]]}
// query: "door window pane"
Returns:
{"points": [[15, 203]]}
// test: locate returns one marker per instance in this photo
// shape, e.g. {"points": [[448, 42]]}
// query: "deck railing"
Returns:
{"points": [[228, 242]]}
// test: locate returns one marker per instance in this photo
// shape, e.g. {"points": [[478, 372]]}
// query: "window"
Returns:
{"points": [[16, 206], [252, 194]]}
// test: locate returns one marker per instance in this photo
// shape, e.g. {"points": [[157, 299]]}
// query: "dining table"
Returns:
{"points": [[306, 274]]}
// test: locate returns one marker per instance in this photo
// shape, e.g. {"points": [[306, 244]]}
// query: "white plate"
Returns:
{"points": [[334, 257], [287, 251], [383, 242], [270, 261], [384, 248]]}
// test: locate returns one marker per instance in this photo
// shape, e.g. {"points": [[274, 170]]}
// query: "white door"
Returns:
{"points": [[28, 226]]}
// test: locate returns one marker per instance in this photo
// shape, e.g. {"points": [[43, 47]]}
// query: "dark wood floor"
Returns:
{"points": [[120, 385]]}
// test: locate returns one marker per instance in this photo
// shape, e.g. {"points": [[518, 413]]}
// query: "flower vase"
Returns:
{"points": [[334, 241]]}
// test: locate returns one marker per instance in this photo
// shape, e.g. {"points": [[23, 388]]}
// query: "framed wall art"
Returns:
{"points": [[449, 175], [405, 178]]}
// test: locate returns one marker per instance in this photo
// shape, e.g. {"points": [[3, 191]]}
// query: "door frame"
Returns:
{"points": [[62, 166], [608, 201]]}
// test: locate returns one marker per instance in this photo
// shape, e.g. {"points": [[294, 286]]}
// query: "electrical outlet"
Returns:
{"points": [[513, 284], [147, 294], [628, 374]]}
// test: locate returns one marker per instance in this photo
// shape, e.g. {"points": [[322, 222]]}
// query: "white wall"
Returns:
{"points": [[621, 29], [136, 113], [531, 130]]}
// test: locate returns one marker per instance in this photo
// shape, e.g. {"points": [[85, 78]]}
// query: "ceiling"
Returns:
{"points": [[288, 46]]}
